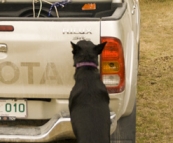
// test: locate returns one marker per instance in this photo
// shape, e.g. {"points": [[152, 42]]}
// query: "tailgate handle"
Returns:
{"points": [[3, 48]]}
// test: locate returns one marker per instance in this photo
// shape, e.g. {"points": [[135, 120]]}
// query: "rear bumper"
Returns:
{"points": [[56, 128]]}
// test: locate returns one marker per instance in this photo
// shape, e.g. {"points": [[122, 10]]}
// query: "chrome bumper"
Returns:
{"points": [[56, 128]]}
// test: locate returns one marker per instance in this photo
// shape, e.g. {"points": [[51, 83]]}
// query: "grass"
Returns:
{"points": [[155, 79]]}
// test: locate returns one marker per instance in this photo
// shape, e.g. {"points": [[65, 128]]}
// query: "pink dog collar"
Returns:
{"points": [[86, 64]]}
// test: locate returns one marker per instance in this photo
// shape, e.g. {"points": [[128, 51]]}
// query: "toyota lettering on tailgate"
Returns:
{"points": [[10, 72]]}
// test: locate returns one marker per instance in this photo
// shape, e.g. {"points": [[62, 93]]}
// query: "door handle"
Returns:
{"points": [[3, 48]]}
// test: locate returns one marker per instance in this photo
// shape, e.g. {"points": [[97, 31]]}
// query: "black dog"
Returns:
{"points": [[89, 100]]}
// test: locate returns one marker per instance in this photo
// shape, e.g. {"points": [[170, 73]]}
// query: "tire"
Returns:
{"points": [[126, 129]]}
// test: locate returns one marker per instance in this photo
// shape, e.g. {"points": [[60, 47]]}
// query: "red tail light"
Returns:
{"points": [[112, 65], [6, 28]]}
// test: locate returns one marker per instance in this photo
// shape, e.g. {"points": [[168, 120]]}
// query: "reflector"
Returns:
{"points": [[6, 28]]}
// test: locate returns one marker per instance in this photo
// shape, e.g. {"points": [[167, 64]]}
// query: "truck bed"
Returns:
{"points": [[70, 9]]}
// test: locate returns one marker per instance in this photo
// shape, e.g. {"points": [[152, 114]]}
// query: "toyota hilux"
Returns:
{"points": [[36, 64]]}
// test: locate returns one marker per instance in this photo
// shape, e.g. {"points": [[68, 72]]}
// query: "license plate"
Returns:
{"points": [[13, 108]]}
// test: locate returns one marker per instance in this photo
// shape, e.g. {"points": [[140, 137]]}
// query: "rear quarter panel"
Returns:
{"points": [[125, 29]]}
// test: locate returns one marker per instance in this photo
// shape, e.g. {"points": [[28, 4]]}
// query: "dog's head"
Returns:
{"points": [[86, 51]]}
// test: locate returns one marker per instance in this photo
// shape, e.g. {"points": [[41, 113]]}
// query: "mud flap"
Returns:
{"points": [[126, 128]]}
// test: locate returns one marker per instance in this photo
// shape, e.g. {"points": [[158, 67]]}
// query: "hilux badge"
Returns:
{"points": [[76, 31]]}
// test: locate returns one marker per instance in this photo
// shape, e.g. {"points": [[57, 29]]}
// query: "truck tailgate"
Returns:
{"points": [[36, 61]]}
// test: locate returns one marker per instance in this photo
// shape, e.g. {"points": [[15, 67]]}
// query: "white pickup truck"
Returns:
{"points": [[36, 64]]}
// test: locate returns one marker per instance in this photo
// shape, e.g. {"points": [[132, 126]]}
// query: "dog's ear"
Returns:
{"points": [[98, 48], [75, 47]]}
